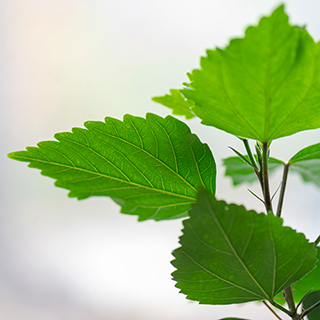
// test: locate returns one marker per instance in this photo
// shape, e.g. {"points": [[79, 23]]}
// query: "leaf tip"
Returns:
{"points": [[11, 155]]}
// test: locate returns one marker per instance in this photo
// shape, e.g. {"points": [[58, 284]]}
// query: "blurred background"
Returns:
{"points": [[67, 61]]}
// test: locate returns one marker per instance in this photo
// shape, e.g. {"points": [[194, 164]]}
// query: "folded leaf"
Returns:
{"points": [[241, 172], [152, 166], [264, 86], [230, 255], [312, 298], [307, 164], [177, 102]]}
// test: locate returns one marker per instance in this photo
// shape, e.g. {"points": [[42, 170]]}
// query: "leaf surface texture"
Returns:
{"points": [[302, 286], [230, 255], [152, 167], [263, 86]]}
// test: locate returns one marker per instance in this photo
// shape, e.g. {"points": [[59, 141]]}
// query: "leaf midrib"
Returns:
{"points": [[217, 222], [106, 176], [218, 277], [149, 154], [302, 102]]}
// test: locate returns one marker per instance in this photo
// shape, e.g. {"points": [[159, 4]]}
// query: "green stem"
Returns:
{"points": [[283, 189], [317, 241], [280, 308], [265, 177], [246, 145], [287, 293]]}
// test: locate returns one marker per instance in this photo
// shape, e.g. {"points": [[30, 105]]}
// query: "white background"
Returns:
{"points": [[64, 62]]}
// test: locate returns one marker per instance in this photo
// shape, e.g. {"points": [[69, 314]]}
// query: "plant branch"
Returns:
{"points": [[241, 157], [280, 308], [265, 177], [274, 194], [271, 309], [255, 195], [287, 293], [283, 188]]}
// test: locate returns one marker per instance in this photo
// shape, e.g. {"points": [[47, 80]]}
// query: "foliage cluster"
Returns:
{"points": [[264, 86]]}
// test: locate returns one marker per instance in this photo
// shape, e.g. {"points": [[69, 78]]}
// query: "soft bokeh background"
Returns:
{"points": [[67, 61]]}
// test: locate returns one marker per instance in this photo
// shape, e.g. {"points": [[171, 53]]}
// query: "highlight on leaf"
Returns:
{"points": [[264, 86], [152, 167], [231, 255]]}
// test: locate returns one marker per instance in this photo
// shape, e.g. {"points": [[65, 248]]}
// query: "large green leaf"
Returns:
{"points": [[313, 298], [264, 86], [230, 255], [302, 286], [310, 281], [241, 172], [177, 102], [152, 166], [307, 164]]}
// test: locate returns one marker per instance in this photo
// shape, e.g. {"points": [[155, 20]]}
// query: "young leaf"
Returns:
{"points": [[241, 172], [307, 164], [264, 86], [309, 281], [312, 298], [177, 102], [230, 255], [152, 166]]}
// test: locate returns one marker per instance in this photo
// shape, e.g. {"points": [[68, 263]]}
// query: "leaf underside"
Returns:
{"points": [[230, 255], [152, 167], [240, 172], [307, 164], [264, 86]]}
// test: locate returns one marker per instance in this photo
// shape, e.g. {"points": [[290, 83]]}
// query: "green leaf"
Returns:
{"points": [[302, 286], [310, 281], [312, 298], [264, 86], [152, 167], [177, 102], [230, 255], [307, 164], [241, 172]]}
